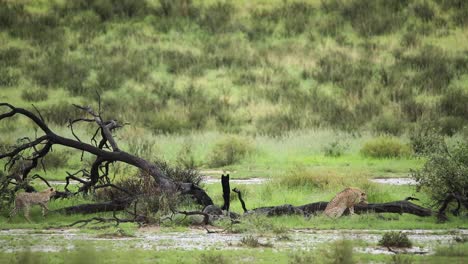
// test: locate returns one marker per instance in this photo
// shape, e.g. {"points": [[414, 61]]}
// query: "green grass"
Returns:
{"points": [[106, 254], [310, 188]]}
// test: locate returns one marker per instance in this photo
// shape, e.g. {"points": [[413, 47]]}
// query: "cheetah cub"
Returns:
{"points": [[25, 200], [345, 199]]}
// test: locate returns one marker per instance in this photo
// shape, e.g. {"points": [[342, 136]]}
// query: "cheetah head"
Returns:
{"points": [[52, 192], [363, 198]]}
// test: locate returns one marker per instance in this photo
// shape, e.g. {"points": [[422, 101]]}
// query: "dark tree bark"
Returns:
{"points": [[226, 192], [42, 145], [240, 199], [461, 200], [399, 207]]}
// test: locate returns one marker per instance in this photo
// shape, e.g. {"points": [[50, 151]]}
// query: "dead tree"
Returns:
{"points": [[106, 152]]}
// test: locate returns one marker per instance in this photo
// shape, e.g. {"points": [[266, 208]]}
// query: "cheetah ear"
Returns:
{"points": [[363, 193]]}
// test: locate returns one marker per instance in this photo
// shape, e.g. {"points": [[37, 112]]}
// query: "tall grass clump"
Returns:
{"points": [[385, 147], [34, 95], [217, 17], [395, 239], [302, 257], [388, 124], [340, 251], [229, 150], [300, 177], [433, 67], [59, 113], [374, 17], [335, 148], [454, 250]]}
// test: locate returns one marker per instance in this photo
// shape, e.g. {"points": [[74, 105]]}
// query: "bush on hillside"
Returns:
{"points": [[425, 138], [385, 147], [388, 124], [60, 113], [217, 17], [34, 94], [374, 17]]}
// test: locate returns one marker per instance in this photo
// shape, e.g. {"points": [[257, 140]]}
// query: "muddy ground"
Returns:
{"points": [[53, 240]]}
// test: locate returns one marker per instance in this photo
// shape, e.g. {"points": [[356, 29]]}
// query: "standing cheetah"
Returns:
{"points": [[25, 200], [345, 199]]}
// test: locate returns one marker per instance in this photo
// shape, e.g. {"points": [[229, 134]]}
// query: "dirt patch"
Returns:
{"points": [[197, 239]]}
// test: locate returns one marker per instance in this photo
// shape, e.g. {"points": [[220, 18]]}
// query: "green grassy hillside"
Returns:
{"points": [[255, 67]]}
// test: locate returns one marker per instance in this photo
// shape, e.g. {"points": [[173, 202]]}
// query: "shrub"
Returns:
{"points": [[434, 68], [61, 112], [301, 257], [56, 159], [180, 174], [186, 157], [276, 124], [340, 252], [250, 241], [453, 101], [213, 258], [229, 150], [348, 73], [423, 10], [374, 17], [34, 95], [385, 147], [167, 122], [449, 125], [389, 124], [445, 171], [178, 8], [426, 139], [296, 16], [395, 239], [300, 177], [335, 149], [410, 39], [290, 18], [217, 17]]}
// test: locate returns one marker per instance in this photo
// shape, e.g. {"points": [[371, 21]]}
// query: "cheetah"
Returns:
{"points": [[345, 199], [25, 200]]}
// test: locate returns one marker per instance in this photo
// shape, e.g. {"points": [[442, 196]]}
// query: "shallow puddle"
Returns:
{"points": [[212, 180], [394, 181]]}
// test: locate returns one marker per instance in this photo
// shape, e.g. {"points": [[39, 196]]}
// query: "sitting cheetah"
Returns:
{"points": [[25, 200], [345, 199]]}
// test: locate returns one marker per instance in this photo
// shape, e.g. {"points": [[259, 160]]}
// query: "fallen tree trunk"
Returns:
{"points": [[399, 207], [106, 152]]}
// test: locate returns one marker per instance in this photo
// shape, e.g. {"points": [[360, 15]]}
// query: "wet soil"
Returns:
{"points": [[53, 240]]}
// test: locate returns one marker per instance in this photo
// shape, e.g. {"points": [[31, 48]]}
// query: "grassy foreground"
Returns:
{"points": [[338, 252]]}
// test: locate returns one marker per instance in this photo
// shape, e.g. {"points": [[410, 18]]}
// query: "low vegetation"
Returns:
{"points": [[385, 147], [395, 239], [315, 96]]}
